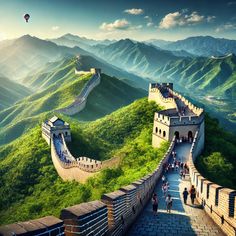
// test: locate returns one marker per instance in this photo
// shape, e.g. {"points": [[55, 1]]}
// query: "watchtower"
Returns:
{"points": [[180, 118], [55, 127]]}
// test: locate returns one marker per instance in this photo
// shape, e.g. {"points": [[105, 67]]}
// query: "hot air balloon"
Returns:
{"points": [[26, 16]]}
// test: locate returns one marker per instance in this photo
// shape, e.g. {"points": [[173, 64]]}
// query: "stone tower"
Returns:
{"points": [[180, 118], [54, 127]]}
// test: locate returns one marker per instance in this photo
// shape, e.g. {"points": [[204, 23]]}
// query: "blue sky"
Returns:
{"points": [[136, 19]]}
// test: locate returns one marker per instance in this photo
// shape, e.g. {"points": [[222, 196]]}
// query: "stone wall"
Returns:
{"points": [[116, 211], [155, 95], [81, 168], [80, 102], [218, 202], [198, 111]]}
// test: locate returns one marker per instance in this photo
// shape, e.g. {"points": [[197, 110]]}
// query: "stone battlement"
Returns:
{"points": [[219, 202], [179, 118], [79, 169]]}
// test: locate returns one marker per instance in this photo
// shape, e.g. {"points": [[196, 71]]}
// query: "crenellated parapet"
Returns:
{"points": [[179, 118], [219, 202], [156, 95], [196, 110]]}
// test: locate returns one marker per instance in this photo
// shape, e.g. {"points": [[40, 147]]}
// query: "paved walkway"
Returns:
{"points": [[183, 219]]}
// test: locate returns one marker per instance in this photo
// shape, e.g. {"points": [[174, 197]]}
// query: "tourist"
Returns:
{"points": [[192, 194], [169, 203], [181, 174], [154, 203], [163, 179], [173, 167], [185, 195], [167, 185]]}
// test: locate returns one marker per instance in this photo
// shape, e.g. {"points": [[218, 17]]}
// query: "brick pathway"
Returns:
{"points": [[183, 219]]}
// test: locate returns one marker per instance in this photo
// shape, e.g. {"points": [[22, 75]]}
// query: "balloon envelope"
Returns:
{"points": [[26, 16]]}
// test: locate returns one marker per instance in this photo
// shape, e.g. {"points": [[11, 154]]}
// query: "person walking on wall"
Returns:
{"points": [[185, 195], [169, 202], [154, 204], [192, 194], [163, 179]]}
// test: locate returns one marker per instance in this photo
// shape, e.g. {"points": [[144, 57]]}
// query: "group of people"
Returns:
{"points": [[168, 198], [62, 154], [175, 165], [192, 193]]}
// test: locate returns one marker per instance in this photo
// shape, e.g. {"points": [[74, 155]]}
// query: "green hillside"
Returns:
{"points": [[30, 186], [10, 92], [213, 76], [57, 87], [23, 115], [218, 162], [59, 71], [108, 96]]}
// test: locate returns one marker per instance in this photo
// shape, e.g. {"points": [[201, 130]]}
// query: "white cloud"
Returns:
{"points": [[225, 27], [120, 24], [55, 28], [170, 20], [134, 11], [136, 27], [180, 19], [149, 24], [149, 21], [194, 17], [210, 18], [147, 18]]}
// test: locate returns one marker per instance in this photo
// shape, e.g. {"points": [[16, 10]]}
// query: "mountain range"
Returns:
{"points": [[49, 76], [214, 76], [203, 46], [135, 57], [71, 40], [24, 55]]}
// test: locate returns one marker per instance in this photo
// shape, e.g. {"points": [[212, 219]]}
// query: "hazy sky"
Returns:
{"points": [[137, 19]]}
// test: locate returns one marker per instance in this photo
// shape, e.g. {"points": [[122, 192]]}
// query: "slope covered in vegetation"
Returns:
{"points": [[57, 86], [214, 76], [30, 186], [109, 95], [11, 92], [218, 162]]}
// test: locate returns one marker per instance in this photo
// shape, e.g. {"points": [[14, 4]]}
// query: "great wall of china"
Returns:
{"points": [[117, 211], [80, 101]]}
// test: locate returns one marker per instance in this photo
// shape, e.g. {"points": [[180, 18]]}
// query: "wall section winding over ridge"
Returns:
{"points": [[80, 102], [81, 168]]}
